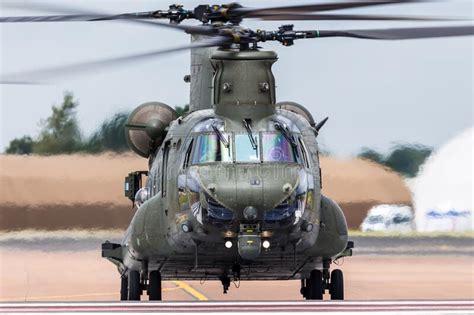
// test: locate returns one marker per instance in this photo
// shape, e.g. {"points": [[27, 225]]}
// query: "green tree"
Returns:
{"points": [[371, 155], [22, 145], [110, 136], [60, 132], [407, 159], [182, 110]]}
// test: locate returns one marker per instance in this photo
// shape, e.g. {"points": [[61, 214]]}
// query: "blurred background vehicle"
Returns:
{"points": [[389, 218]]}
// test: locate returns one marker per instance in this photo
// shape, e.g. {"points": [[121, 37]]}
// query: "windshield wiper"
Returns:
{"points": [[249, 132], [286, 133], [220, 135]]}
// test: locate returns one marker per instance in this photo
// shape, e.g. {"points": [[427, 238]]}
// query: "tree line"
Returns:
{"points": [[60, 134]]}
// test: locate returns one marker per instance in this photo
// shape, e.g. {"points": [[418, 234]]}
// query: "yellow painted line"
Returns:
{"points": [[186, 287], [29, 298]]}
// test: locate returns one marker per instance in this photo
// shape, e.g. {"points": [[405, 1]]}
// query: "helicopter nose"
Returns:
{"points": [[249, 190]]}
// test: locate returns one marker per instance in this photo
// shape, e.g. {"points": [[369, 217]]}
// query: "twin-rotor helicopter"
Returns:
{"points": [[233, 189]]}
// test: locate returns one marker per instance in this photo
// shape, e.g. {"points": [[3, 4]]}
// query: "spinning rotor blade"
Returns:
{"points": [[318, 7], [73, 18], [190, 29], [232, 12], [34, 76], [343, 17], [81, 15], [286, 35], [402, 33]]}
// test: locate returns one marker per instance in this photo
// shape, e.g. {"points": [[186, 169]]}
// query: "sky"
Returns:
{"points": [[376, 93]]}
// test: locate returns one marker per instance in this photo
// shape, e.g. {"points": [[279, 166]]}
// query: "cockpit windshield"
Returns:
{"points": [[210, 149], [237, 147], [276, 148], [245, 150]]}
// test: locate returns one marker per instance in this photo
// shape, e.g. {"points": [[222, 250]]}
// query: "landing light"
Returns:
{"points": [[266, 244], [186, 228], [228, 244]]}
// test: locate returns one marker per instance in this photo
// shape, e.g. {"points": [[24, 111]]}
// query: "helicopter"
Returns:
{"points": [[233, 189]]}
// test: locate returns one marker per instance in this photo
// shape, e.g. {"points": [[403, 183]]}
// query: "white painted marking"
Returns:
{"points": [[302, 307]]}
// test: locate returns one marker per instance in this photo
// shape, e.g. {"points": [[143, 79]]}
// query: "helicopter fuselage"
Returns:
{"points": [[236, 185]]}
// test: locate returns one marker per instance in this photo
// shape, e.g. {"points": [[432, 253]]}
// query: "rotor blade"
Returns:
{"points": [[62, 71], [83, 15], [67, 13], [342, 17], [131, 17], [75, 17], [402, 33], [317, 7]]}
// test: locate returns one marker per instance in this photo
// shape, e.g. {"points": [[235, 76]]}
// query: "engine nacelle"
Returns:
{"points": [[146, 126]]}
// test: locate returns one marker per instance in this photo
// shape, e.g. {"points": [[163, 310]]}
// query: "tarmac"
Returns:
{"points": [[56, 267]]}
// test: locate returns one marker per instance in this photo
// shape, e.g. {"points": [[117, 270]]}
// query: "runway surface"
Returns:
{"points": [[230, 307], [47, 267]]}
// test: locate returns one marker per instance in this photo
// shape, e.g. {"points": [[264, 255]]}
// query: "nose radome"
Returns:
{"points": [[240, 186]]}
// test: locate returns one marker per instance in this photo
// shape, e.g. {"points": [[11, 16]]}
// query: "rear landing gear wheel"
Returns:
{"points": [[337, 285], [154, 289], [124, 288], [315, 285], [134, 286]]}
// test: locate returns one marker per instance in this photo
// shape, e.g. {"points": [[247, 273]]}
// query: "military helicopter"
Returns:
{"points": [[233, 190]]}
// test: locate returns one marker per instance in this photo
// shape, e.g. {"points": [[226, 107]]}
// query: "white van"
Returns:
{"points": [[389, 218]]}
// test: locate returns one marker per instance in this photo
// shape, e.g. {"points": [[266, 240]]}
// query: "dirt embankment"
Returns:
{"points": [[85, 191], [358, 185]]}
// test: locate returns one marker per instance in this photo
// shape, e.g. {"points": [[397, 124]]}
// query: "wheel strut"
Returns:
{"points": [[326, 275], [304, 288], [225, 283]]}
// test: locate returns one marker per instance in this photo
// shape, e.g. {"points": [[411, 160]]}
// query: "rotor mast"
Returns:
{"points": [[243, 84]]}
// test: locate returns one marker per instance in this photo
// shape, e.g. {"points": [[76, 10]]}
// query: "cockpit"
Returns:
{"points": [[255, 151], [280, 143], [237, 147]]}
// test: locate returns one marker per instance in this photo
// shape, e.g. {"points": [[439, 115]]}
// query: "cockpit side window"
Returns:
{"points": [[304, 152], [164, 173], [187, 156]]}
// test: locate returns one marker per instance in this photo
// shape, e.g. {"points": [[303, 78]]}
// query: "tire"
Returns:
{"points": [[337, 285], [307, 289], [316, 288], [123, 288], [154, 289], [134, 287]]}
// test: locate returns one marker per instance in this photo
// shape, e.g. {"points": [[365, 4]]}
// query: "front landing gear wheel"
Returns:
{"points": [[337, 285], [134, 286], [304, 288], [315, 285], [124, 288], [154, 289]]}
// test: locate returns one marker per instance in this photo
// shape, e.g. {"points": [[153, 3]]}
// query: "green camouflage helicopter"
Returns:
{"points": [[233, 190]]}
